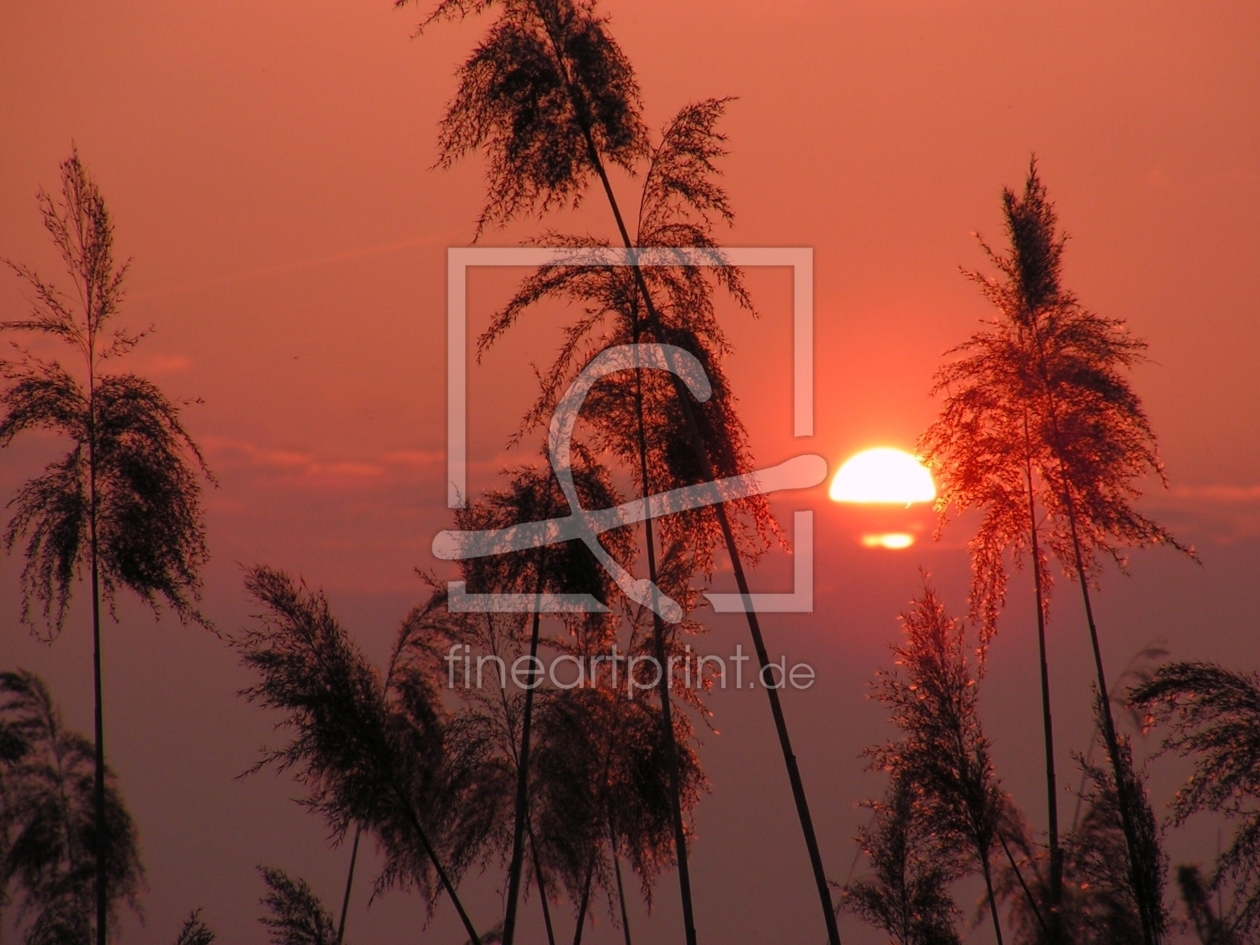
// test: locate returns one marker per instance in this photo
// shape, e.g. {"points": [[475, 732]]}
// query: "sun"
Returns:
{"points": [[883, 475]]}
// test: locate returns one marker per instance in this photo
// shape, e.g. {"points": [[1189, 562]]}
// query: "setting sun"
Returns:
{"points": [[884, 475]]}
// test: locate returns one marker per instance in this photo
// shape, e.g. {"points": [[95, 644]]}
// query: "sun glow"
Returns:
{"points": [[883, 475]]}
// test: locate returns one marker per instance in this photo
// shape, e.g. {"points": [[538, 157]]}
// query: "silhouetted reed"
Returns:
{"points": [[551, 100], [124, 502], [387, 758]]}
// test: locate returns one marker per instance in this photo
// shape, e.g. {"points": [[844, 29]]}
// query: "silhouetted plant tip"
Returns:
{"points": [[1043, 384], [194, 931], [132, 465], [1110, 896], [907, 895], [547, 95], [295, 915]]}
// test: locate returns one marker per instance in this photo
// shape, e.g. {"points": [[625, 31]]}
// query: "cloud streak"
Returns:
{"points": [[288, 467], [1226, 514]]}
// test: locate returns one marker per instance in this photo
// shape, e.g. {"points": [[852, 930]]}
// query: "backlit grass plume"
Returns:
{"points": [[1041, 431], [942, 754]]}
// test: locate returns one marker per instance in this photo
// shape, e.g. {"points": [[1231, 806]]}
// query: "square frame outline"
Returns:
{"points": [[799, 259]]}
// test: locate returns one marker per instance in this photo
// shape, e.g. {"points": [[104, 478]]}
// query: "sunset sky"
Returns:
{"points": [[269, 169]]}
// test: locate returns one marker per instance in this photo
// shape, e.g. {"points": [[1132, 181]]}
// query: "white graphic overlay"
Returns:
{"points": [[587, 524]]}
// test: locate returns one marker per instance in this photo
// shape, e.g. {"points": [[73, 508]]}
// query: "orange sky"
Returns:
{"points": [[268, 169]]}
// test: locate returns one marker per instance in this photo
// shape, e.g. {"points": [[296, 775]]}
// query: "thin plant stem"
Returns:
{"points": [[437, 864], [522, 773], [102, 903], [1113, 747], [1055, 933], [585, 902], [358, 830], [621, 892], [664, 681], [345, 900], [542, 886], [414, 819], [1028, 894], [1117, 685], [988, 885], [976, 835], [614, 734]]}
